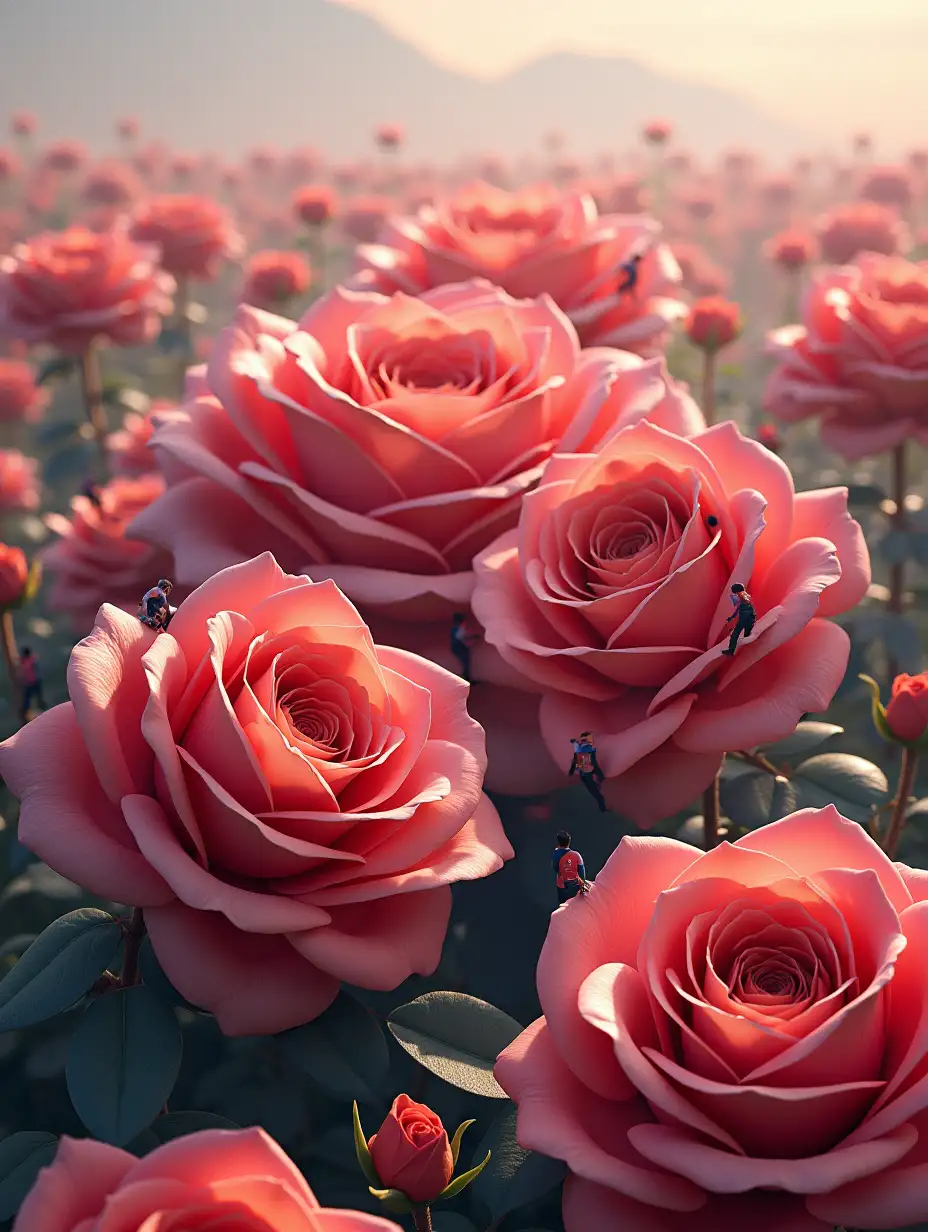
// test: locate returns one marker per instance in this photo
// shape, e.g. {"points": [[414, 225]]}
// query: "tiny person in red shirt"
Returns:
{"points": [[569, 869]]}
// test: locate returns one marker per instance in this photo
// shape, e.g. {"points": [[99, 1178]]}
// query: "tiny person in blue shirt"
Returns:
{"points": [[569, 869], [585, 764], [461, 642], [744, 614]]}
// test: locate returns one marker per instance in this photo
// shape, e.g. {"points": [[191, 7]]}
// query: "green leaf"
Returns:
{"points": [[753, 800], [807, 736], [516, 1176], [58, 968], [865, 495], [344, 1050], [123, 1061], [851, 783], [361, 1150], [393, 1200], [178, 1124], [461, 1182], [456, 1037], [456, 1140], [56, 369], [155, 979], [22, 1156]]}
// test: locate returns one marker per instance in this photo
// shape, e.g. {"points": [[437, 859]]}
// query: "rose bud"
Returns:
{"points": [[713, 323], [905, 719], [409, 1162], [14, 575]]}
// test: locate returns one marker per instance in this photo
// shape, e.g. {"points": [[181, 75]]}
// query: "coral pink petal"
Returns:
{"points": [[579, 942], [667, 780], [824, 514], [331, 1220], [379, 943], [560, 1118], [108, 689], [209, 961], [74, 1187], [588, 1207], [401, 596], [66, 819]]}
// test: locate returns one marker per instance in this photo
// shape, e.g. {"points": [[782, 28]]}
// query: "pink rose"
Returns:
{"points": [[861, 226], [384, 442], [612, 595], [288, 802], [860, 357], [532, 242], [21, 400], [208, 1181], [19, 482], [67, 289], [195, 234], [128, 448], [735, 1040], [94, 560]]}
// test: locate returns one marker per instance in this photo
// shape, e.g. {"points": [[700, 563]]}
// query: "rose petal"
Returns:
{"points": [[74, 1187]]}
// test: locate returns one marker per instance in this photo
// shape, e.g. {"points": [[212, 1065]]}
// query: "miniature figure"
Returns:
{"points": [[154, 609], [569, 870], [585, 763], [744, 613], [628, 274], [91, 491], [461, 642], [30, 679]]}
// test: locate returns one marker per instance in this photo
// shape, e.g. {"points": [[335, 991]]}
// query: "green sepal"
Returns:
{"points": [[395, 1202], [362, 1152], [456, 1140], [879, 713], [462, 1181]]}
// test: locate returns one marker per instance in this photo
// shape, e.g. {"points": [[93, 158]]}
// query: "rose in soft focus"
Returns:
{"points": [[859, 359], [273, 278], [72, 288], [204, 1182], [862, 226], [128, 446], [411, 1151], [890, 186], [713, 323], [194, 233], [734, 1040], [94, 560], [532, 242], [14, 574], [314, 206], [288, 802], [612, 595], [21, 400], [383, 442], [19, 482], [907, 710], [362, 218], [792, 250], [657, 132]]}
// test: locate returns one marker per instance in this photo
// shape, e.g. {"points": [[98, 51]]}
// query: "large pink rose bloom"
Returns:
{"points": [[383, 442], [216, 1179], [531, 242], [612, 595], [288, 802], [71, 288], [860, 357], [735, 1040]]}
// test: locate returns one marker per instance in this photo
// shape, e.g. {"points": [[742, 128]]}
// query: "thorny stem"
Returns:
{"points": [[761, 762], [92, 392], [903, 794], [710, 814], [11, 657], [422, 1218], [130, 962], [708, 386]]}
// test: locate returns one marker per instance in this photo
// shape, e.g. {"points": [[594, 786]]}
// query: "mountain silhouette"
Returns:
{"points": [[229, 75]]}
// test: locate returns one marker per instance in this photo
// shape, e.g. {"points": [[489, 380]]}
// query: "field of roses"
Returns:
{"points": [[280, 943]]}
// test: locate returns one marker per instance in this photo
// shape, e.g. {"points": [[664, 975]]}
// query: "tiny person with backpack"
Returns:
{"points": [[744, 614], [585, 764]]}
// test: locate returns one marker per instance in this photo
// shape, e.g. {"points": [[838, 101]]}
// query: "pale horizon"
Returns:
{"points": [[850, 64]]}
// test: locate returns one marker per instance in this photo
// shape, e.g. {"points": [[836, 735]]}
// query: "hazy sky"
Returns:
{"points": [[853, 63]]}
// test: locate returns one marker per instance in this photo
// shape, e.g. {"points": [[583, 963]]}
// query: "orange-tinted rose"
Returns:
{"points": [[411, 1151], [713, 323], [907, 712], [194, 233], [862, 226], [21, 400], [792, 250], [14, 573], [314, 206], [273, 278]]}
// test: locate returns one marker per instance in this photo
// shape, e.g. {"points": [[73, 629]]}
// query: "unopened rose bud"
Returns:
{"points": [[14, 575], [905, 719], [713, 323], [411, 1151]]}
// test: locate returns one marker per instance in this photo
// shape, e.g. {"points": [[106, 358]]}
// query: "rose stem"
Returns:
{"points": [[133, 940], [182, 318], [92, 391], [903, 792], [897, 571], [10, 655], [422, 1218], [710, 814], [708, 386]]}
